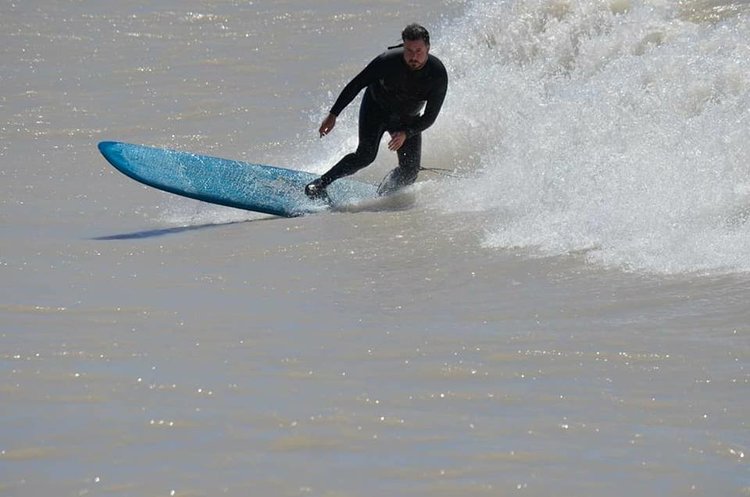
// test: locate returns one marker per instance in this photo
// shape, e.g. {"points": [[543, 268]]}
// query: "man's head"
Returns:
{"points": [[416, 46]]}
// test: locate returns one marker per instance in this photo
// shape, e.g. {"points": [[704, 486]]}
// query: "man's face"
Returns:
{"points": [[415, 54]]}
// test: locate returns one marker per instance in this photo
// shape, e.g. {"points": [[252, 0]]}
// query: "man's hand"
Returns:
{"points": [[328, 123], [397, 139]]}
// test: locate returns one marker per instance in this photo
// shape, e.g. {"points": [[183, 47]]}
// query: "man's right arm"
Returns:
{"points": [[360, 81]]}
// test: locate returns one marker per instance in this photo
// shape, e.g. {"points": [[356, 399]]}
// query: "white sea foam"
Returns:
{"points": [[621, 129]]}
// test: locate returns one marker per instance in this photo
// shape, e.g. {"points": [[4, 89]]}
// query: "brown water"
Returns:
{"points": [[156, 346]]}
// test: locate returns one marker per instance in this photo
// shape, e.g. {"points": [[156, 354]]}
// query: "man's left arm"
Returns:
{"points": [[432, 109]]}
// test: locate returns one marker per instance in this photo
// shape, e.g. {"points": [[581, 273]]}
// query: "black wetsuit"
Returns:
{"points": [[395, 97]]}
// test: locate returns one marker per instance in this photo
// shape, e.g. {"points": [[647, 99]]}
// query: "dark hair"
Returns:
{"points": [[414, 32]]}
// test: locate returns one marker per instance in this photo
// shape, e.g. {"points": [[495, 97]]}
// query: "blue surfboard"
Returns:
{"points": [[253, 187]]}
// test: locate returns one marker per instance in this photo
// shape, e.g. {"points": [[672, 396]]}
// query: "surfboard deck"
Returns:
{"points": [[243, 185]]}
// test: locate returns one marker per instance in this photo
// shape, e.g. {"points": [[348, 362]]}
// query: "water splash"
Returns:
{"points": [[621, 129]]}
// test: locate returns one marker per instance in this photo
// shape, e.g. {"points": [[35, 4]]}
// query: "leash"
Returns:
{"points": [[439, 170]]}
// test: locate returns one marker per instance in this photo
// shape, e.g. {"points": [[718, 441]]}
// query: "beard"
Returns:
{"points": [[415, 64]]}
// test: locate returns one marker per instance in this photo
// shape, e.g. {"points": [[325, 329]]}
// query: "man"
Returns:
{"points": [[400, 83]]}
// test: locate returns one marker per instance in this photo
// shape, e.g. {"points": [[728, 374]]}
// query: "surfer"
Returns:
{"points": [[400, 83]]}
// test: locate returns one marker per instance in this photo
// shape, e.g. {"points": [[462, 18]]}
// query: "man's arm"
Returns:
{"points": [[432, 109], [352, 89]]}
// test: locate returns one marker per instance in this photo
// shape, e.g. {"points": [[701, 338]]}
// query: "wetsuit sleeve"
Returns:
{"points": [[351, 90], [432, 109]]}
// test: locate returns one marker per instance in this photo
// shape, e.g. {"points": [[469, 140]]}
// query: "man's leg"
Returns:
{"points": [[371, 129], [409, 160]]}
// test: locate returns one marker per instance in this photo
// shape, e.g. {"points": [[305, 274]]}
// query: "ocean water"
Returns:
{"points": [[566, 314]]}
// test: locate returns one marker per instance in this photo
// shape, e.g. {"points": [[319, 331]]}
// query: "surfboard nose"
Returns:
{"points": [[105, 145]]}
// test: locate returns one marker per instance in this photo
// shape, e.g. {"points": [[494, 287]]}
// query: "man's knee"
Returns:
{"points": [[366, 155]]}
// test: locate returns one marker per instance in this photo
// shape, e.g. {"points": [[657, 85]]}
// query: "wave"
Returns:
{"points": [[618, 129]]}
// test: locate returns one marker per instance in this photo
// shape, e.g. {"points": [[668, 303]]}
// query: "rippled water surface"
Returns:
{"points": [[567, 316]]}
